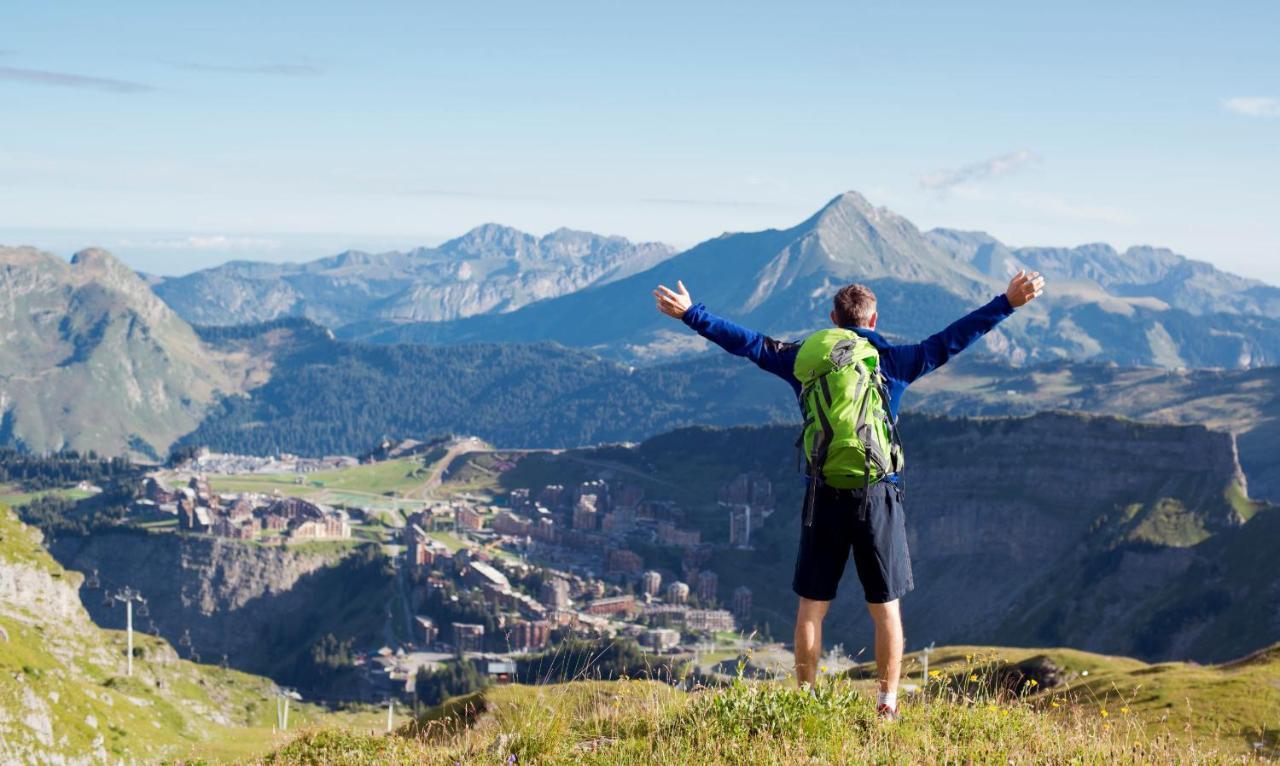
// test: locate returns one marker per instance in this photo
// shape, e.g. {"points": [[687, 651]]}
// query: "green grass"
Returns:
{"points": [[1231, 703], [262, 483], [448, 540], [14, 497], [403, 477], [390, 485], [21, 545], [1238, 500], [1167, 522], [647, 722], [335, 548]]}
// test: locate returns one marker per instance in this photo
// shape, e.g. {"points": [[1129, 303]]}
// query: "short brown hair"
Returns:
{"points": [[854, 305]]}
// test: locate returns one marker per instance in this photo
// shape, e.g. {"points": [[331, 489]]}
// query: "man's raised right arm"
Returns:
{"points": [[768, 354]]}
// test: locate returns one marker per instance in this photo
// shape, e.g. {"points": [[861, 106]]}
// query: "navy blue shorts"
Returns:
{"points": [[876, 534]]}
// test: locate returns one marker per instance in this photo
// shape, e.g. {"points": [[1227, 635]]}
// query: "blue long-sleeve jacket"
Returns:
{"points": [[901, 364]]}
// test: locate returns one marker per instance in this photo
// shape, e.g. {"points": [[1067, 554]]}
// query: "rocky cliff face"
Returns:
{"points": [[1004, 513], [260, 607], [1244, 402]]}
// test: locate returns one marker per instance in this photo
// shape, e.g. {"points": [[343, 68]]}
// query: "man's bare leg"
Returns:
{"points": [[809, 639], [888, 621]]}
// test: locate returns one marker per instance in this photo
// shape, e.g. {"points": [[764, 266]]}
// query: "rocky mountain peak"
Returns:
{"points": [[493, 238], [852, 210], [575, 241], [96, 263], [98, 267], [849, 238], [95, 257], [353, 258]]}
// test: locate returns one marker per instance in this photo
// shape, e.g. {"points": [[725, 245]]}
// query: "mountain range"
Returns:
{"points": [[1144, 306], [490, 269], [95, 359]]}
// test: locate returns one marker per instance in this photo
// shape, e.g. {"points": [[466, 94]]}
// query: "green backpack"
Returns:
{"points": [[849, 440]]}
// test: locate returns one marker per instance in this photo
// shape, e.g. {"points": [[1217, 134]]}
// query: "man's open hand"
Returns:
{"points": [[673, 304], [1024, 288]]}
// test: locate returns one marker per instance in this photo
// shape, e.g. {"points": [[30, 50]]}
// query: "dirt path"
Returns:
{"points": [[436, 479]]}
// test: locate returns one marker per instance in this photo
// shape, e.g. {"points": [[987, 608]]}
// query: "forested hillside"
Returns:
{"points": [[328, 397]]}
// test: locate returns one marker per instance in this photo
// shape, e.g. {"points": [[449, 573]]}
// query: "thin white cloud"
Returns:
{"points": [[220, 242], [1253, 106], [69, 80], [948, 179]]}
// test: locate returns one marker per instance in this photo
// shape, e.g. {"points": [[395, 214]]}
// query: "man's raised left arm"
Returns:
{"points": [[934, 351]]}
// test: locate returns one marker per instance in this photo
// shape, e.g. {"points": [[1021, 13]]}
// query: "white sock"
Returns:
{"points": [[889, 699]]}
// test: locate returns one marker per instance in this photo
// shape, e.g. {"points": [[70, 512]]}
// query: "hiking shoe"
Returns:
{"points": [[887, 714]]}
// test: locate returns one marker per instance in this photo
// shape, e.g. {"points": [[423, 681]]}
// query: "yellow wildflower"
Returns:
{"points": [[935, 673], [973, 676], [1125, 710], [1104, 713], [1055, 704], [1033, 682]]}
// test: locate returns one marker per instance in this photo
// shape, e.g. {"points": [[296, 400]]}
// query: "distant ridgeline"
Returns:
{"points": [[1092, 532]]}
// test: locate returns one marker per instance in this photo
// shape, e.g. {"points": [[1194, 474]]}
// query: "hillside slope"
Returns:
{"points": [[64, 695], [328, 396], [92, 359]]}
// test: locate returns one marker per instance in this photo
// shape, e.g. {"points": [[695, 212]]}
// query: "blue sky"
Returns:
{"points": [[183, 134]]}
